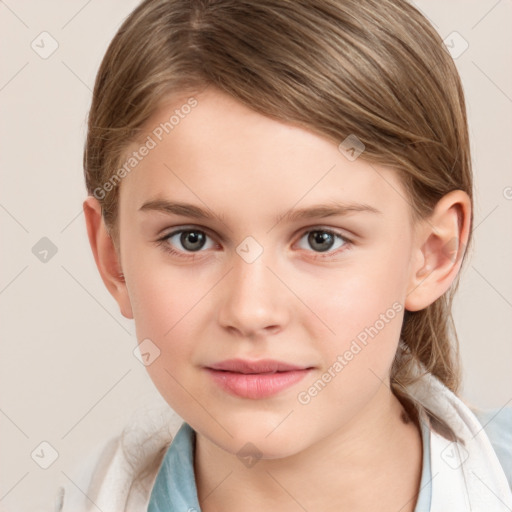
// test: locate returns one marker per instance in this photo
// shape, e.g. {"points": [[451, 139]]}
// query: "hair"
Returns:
{"points": [[374, 69]]}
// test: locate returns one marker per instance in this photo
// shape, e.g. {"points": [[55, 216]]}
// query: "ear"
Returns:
{"points": [[106, 255], [440, 243]]}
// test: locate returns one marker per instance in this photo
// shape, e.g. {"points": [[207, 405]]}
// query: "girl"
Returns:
{"points": [[280, 196]]}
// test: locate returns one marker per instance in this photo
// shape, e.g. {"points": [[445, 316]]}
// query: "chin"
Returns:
{"points": [[257, 443]]}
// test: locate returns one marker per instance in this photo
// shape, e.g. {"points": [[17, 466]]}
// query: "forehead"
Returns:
{"points": [[221, 151]]}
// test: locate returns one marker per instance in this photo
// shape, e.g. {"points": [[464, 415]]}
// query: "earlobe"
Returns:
{"points": [[440, 246], [106, 255]]}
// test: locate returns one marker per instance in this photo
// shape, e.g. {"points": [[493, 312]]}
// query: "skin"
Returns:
{"points": [[289, 304]]}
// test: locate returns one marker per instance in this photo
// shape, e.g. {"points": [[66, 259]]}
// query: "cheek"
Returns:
{"points": [[356, 360], [165, 313], [349, 300], [161, 302], [361, 312], [161, 295]]}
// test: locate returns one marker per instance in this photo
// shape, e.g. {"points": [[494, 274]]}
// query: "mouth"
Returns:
{"points": [[256, 379]]}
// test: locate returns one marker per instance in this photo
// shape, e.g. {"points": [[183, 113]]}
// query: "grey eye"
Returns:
{"points": [[191, 240], [321, 240]]}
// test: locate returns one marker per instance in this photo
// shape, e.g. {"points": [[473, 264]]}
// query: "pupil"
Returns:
{"points": [[192, 240], [319, 237]]}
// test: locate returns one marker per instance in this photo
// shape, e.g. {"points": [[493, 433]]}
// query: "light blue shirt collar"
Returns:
{"points": [[175, 487]]}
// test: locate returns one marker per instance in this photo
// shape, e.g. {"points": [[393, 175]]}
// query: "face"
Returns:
{"points": [[265, 274]]}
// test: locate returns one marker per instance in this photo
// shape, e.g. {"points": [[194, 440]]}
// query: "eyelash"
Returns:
{"points": [[163, 243]]}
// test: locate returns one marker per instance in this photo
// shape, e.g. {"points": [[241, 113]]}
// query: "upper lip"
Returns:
{"points": [[260, 366]]}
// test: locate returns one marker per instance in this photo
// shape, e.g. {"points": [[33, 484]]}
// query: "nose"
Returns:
{"points": [[254, 300]]}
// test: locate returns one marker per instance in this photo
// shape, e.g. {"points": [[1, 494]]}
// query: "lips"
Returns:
{"points": [[262, 366], [256, 379]]}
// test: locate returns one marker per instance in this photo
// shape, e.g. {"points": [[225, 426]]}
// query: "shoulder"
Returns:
{"points": [[119, 473], [497, 424]]}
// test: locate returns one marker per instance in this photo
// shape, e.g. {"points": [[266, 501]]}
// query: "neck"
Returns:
{"points": [[372, 463]]}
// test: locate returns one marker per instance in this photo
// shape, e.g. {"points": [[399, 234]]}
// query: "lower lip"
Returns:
{"points": [[256, 385]]}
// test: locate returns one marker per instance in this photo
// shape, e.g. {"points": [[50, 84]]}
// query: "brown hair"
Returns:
{"points": [[375, 69]]}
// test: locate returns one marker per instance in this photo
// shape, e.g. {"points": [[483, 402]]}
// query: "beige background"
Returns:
{"points": [[68, 374]]}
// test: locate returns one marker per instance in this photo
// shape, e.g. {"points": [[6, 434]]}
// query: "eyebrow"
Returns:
{"points": [[334, 208]]}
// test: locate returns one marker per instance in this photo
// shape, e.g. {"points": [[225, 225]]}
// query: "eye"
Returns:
{"points": [[191, 240], [323, 240]]}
